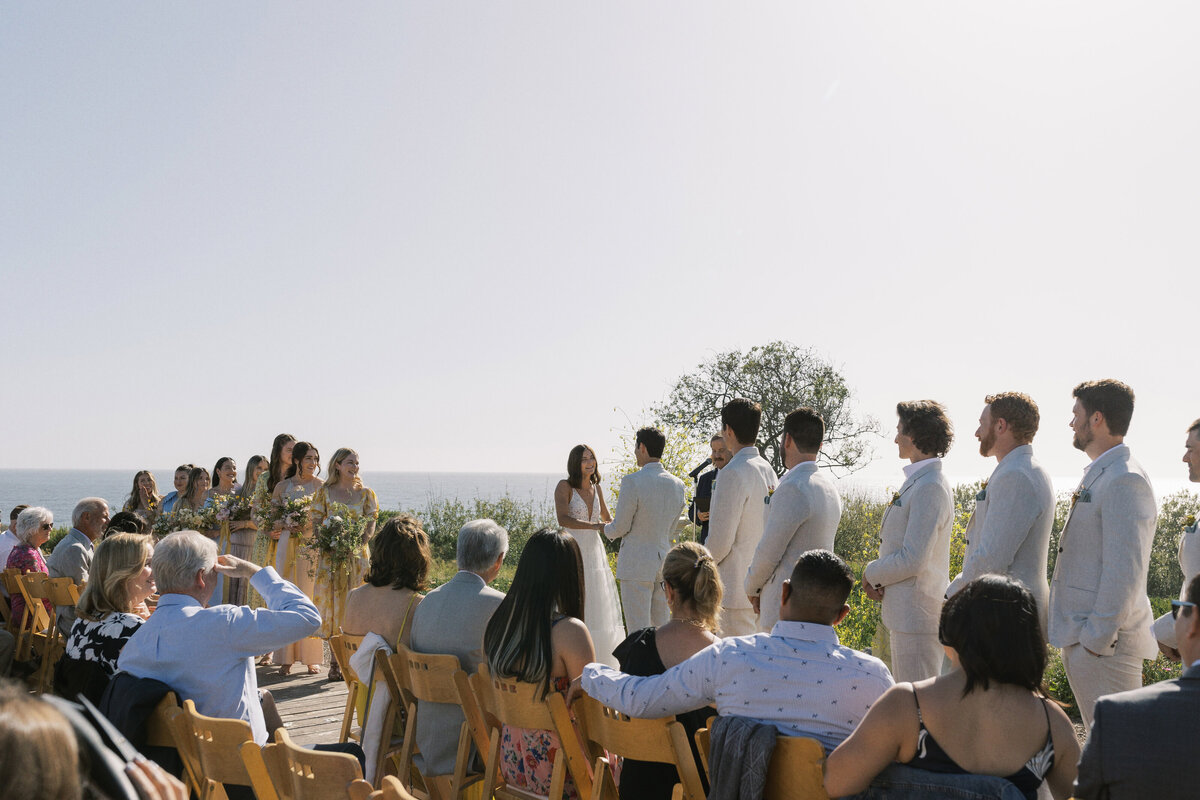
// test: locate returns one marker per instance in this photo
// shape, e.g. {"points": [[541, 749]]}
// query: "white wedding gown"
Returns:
{"points": [[602, 608]]}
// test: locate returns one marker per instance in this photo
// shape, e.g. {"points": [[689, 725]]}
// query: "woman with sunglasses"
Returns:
{"points": [[33, 529]]}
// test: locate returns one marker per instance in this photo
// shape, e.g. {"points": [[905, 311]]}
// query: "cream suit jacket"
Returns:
{"points": [[648, 508], [803, 515], [1189, 562], [1098, 592], [914, 552], [1009, 533], [737, 517]]}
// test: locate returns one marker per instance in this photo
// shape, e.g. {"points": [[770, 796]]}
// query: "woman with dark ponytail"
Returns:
{"points": [[694, 591]]}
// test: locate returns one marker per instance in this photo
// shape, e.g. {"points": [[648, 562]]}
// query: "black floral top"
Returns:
{"points": [[102, 641]]}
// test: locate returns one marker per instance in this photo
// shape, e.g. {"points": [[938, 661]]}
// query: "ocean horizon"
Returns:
{"points": [[60, 489]]}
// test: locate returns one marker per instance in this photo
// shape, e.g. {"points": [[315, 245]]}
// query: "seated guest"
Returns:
{"points": [[33, 530], [537, 635], [207, 654], [1141, 741], [693, 588], [126, 522], [451, 619], [9, 540], [105, 617], [989, 716], [72, 556], [797, 678], [385, 604]]}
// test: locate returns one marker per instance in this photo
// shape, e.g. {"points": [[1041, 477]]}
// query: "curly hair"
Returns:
{"points": [[926, 423], [400, 555], [1019, 411]]}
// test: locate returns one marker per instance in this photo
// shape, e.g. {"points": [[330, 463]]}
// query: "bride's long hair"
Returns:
{"points": [[575, 466], [548, 582]]}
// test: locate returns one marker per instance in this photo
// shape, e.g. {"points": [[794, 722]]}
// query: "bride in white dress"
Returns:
{"points": [[579, 502]]}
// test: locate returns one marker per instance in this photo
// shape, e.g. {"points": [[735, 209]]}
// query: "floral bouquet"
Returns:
{"points": [[231, 508], [339, 539], [265, 517], [163, 525], [293, 514], [200, 520]]}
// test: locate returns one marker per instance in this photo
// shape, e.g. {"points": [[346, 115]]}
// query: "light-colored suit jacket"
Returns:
{"points": [[803, 515], [1141, 743], [451, 619], [1009, 533], [1189, 562], [1098, 592], [914, 552], [72, 558], [737, 517], [648, 509]]}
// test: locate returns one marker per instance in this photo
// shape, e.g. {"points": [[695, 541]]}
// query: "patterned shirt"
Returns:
{"points": [[797, 678], [102, 641]]}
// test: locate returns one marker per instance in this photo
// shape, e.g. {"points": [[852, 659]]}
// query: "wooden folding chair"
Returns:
{"points": [[8, 581], [796, 771], [60, 592], [36, 621], [504, 701], [662, 740], [392, 671], [434, 679], [267, 769], [317, 775], [390, 788], [343, 646], [218, 744]]}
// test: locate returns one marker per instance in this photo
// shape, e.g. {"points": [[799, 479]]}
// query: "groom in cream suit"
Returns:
{"points": [[648, 509], [803, 515], [1099, 613], [1009, 533], [912, 571], [739, 512], [1189, 548]]}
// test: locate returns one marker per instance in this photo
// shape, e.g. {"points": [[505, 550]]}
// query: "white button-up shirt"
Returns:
{"points": [[797, 678], [206, 655]]}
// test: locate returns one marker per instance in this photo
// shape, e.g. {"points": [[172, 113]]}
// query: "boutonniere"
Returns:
{"points": [[895, 500], [982, 492], [1189, 524], [1080, 496]]}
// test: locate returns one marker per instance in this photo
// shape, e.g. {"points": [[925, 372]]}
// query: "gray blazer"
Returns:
{"points": [[1098, 592], [648, 508], [1009, 533], [736, 519], [914, 552], [72, 558], [803, 515], [1142, 742], [451, 619]]}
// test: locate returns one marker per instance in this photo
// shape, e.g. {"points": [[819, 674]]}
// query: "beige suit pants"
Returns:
{"points": [[915, 656], [1092, 677], [644, 604], [738, 622]]}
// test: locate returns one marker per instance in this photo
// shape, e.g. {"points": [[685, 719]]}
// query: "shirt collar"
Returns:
{"points": [[176, 599], [1112, 449], [745, 454], [809, 631], [915, 467], [467, 575], [81, 536], [653, 466]]}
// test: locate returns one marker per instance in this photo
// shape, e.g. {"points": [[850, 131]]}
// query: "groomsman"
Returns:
{"points": [[911, 573], [739, 511], [1189, 548], [1009, 533], [1099, 613], [648, 509], [705, 483], [803, 515]]}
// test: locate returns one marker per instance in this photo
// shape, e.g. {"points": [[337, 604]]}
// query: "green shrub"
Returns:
{"points": [[442, 518], [1055, 681], [1165, 577], [56, 536]]}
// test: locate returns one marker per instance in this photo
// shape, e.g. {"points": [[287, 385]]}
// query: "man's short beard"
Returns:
{"points": [[1082, 443], [987, 443]]}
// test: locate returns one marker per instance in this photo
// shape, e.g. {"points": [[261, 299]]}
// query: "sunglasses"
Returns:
{"points": [[1178, 604], [47, 526]]}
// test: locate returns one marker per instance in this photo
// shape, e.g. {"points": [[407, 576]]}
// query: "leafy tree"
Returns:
{"points": [[781, 377]]}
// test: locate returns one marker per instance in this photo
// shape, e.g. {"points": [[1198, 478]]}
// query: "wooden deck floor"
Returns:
{"points": [[311, 705]]}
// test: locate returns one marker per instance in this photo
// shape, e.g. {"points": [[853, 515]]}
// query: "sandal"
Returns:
{"points": [[314, 669], [285, 670], [265, 661]]}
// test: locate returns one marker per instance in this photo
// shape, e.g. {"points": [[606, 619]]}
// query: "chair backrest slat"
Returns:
{"points": [[318, 775], [218, 745]]}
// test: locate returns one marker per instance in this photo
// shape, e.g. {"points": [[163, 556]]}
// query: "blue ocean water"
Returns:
{"points": [[59, 489]]}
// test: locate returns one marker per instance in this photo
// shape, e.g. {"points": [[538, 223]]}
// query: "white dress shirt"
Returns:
{"points": [[797, 678], [206, 655]]}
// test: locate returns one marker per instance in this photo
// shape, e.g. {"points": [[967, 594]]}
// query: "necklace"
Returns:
{"points": [[699, 623]]}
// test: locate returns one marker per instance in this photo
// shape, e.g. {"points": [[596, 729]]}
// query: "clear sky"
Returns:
{"points": [[466, 236]]}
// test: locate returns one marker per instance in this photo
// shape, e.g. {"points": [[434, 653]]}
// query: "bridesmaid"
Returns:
{"points": [[291, 562], [144, 500], [224, 484], [265, 542], [345, 487], [195, 491], [242, 531]]}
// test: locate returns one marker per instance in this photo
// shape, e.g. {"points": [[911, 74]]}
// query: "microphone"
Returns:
{"points": [[696, 472]]}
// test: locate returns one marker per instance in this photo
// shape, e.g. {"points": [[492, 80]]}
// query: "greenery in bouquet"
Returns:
{"points": [[231, 508], [293, 514], [187, 519], [163, 525], [339, 539]]}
